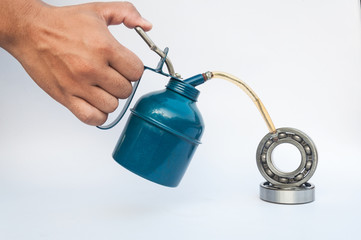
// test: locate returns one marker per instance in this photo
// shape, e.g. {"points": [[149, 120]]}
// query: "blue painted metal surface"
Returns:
{"points": [[162, 133]]}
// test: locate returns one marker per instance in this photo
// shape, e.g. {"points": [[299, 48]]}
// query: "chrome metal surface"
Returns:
{"points": [[291, 195], [307, 150], [157, 50], [208, 75]]}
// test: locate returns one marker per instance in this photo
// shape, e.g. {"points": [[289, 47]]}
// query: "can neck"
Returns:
{"points": [[183, 89]]}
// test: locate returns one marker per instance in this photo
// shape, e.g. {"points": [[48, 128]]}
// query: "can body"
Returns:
{"points": [[161, 134]]}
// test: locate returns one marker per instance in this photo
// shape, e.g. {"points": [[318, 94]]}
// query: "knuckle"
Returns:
{"points": [[113, 105], [104, 47], [97, 7], [85, 69], [91, 118], [137, 70], [86, 117], [126, 90], [101, 120], [128, 5]]}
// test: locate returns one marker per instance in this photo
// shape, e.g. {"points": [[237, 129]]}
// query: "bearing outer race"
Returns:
{"points": [[306, 141], [292, 195]]}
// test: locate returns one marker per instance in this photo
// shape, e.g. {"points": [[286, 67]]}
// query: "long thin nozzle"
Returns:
{"points": [[250, 93]]}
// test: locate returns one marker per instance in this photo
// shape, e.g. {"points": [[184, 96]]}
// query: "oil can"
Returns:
{"points": [[162, 134]]}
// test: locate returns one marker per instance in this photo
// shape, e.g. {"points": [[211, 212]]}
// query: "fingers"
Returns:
{"points": [[115, 84], [98, 98], [115, 13], [125, 62], [91, 104], [122, 59], [86, 113], [113, 66]]}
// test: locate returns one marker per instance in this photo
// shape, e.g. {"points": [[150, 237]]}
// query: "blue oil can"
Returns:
{"points": [[162, 133]]}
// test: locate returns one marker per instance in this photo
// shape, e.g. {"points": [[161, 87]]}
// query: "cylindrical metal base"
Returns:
{"points": [[287, 195]]}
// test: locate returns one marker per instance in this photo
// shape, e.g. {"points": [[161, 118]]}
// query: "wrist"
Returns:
{"points": [[16, 16]]}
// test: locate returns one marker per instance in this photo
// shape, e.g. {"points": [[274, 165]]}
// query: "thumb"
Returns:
{"points": [[115, 13]]}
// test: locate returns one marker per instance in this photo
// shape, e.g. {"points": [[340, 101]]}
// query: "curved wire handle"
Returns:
{"points": [[158, 69], [124, 110]]}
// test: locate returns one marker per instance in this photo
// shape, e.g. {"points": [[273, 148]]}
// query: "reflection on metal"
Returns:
{"points": [[287, 187], [157, 50], [250, 93], [281, 187], [287, 195]]}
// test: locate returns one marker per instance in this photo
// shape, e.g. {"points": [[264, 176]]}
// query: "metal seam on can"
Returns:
{"points": [[164, 127]]}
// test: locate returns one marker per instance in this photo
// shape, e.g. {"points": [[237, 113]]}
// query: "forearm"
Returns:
{"points": [[15, 17]]}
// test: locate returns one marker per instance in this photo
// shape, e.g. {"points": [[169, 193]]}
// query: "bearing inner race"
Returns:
{"points": [[304, 144]]}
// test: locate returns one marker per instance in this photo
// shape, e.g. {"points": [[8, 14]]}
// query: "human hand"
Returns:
{"points": [[70, 53]]}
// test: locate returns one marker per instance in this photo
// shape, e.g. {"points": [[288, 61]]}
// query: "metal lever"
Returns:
{"points": [[162, 54]]}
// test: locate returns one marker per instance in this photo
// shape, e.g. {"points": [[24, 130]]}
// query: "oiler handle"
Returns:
{"points": [[157, 50], [158, 69]]}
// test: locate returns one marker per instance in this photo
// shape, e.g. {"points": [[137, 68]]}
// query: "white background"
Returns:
{"points": [[302, 57]]}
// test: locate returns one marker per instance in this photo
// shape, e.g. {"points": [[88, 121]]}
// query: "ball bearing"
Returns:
{"points": [[290, 195], [308, 158]]}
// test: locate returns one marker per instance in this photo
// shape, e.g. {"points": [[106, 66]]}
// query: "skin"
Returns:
{"points": [[70, 53]]}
